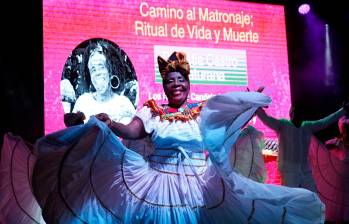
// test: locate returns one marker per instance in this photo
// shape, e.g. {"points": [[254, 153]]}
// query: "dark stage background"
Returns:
{"points": [[317, 91]]}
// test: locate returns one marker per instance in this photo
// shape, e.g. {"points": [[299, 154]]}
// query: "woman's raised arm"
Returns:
{"points": [[133, 130]]}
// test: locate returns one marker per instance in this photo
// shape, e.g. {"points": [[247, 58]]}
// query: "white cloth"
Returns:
{"points": [[246, 155], [294, 142], [85, 174], [17, 201], [119, 108]]}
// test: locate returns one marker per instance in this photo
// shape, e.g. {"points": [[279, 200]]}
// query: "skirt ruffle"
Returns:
{"points": [[85, 174], [17, 204], [331, 175]]}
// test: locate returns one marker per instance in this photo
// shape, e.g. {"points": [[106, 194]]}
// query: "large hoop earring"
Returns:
{"points": [[112, 83]]}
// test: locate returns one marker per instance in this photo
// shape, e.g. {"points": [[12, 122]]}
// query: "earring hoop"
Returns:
{"points": [[111, 82]]}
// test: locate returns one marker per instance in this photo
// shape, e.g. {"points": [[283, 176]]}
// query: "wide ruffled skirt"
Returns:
{"points": [[84, 174]]}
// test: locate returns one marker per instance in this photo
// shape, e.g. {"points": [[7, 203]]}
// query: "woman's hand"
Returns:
{"points": [[71, 119], [346, 108], [104, 118], [260, 89]]}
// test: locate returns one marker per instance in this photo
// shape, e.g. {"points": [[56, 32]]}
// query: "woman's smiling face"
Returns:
{"points": [[99, 72], [176, 88]]}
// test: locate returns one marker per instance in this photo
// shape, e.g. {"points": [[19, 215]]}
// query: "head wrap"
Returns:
{"points": [[177, 62]]}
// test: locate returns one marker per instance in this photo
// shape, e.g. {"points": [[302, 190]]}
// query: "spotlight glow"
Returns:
{"points": [[304, 9], [329, 73]]}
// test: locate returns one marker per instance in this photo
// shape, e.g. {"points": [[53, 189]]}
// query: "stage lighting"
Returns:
{"points": [[304, 9], [329, 73]]}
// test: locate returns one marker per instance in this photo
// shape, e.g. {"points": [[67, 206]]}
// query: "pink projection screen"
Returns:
{"points": [[230, 46]]}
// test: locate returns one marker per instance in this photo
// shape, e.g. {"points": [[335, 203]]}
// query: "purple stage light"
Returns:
{"points": [[304, 9]]}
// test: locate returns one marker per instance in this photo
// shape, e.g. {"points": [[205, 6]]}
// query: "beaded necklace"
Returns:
{"points": [[185, 113]]}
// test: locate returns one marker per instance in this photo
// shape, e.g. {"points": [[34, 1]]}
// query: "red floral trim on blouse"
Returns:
{"points": [[185, 113]]}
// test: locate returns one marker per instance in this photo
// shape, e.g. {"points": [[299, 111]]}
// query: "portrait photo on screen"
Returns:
{"points": [[98, 76]]}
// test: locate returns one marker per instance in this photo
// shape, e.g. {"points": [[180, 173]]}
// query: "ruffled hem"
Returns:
{"points": [[331, 175], [101, 181], [17, 204], [84, 174]]}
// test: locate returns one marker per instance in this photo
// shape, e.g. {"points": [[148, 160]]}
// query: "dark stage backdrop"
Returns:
{"points": [[21, 69]]}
